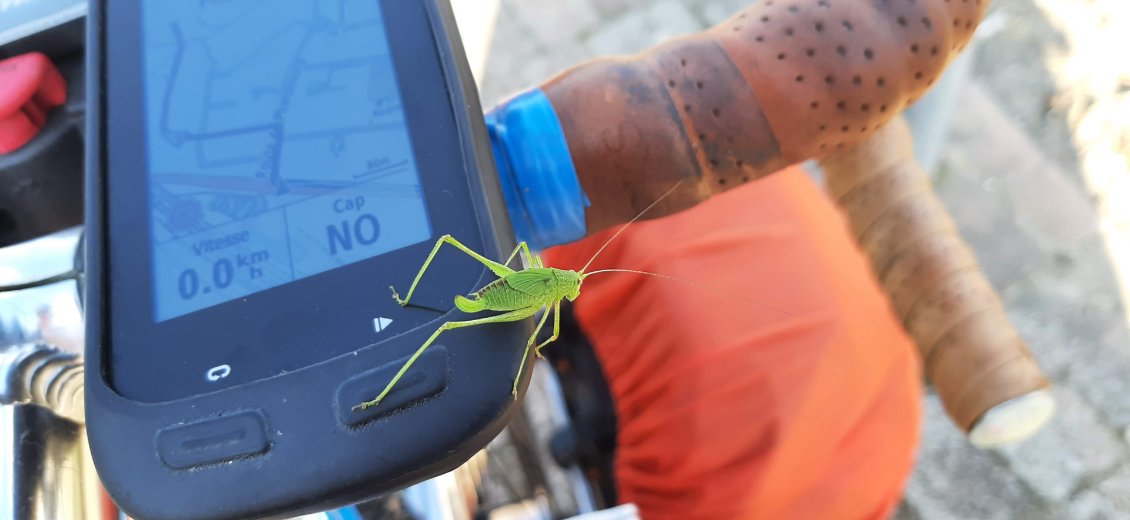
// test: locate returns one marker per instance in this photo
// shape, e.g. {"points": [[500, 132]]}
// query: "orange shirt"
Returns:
{"points": [[729, 407]]}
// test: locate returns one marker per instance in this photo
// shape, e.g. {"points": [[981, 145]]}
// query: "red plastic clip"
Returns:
{"points": [[30, 86]]}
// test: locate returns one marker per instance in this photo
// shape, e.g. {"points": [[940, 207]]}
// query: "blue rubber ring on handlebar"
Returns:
{"points": [[345, 513], [539, 181]]}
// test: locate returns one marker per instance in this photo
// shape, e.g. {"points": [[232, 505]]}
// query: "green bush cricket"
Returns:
{"points": [[518, 295]]}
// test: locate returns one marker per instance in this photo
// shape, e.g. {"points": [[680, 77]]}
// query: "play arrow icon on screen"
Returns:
{"points": [[380, 324]]}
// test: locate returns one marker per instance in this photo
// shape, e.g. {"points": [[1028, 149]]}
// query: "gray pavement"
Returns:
{"points": [[1030, 172]]}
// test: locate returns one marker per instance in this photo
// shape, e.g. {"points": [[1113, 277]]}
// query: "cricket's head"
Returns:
{"points": [[570, 283]]}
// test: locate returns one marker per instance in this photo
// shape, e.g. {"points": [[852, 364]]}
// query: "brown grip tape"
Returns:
{"points": [[780, 82], [972, 354]]}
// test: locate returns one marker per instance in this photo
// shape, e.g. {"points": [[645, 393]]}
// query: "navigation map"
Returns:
{"points": [[277, 145]]}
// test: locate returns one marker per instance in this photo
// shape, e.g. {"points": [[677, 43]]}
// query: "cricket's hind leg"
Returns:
{"points": [[517, 315], [498, 269]]}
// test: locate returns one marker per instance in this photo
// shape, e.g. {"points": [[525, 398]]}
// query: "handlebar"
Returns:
{"points": [[781, 82], [975, 358], [785, 81]]}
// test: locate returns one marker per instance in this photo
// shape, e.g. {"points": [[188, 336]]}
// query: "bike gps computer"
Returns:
{"points": [[259, 174]]}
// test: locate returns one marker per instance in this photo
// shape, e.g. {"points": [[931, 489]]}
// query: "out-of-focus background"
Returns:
{"points": [[1035, 167]]}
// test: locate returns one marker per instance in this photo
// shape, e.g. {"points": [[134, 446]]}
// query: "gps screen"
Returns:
{"points": [[277, 150]]}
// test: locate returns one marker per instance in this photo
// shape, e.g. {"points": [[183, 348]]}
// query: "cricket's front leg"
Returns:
{"points": [[495, 267], [556, 330], [530, 345]]}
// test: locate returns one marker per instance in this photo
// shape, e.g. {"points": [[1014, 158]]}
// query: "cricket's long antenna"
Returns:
{"points": [[633, 221], [692, 284]]}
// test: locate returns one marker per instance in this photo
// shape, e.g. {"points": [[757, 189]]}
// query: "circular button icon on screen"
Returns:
{"points": [[217, 373]]}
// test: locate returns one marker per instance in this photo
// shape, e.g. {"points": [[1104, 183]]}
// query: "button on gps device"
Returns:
{"points": [[259, 174], [428, 379], [213, 440]]}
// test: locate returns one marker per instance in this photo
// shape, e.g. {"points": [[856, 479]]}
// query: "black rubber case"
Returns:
{"points": [[289, 444]]}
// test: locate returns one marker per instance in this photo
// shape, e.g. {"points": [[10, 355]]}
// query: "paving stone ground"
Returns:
{"points": [[1036, 161]]}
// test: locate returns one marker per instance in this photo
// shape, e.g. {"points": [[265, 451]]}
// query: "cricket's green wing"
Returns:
{"points": [[536, 281]]}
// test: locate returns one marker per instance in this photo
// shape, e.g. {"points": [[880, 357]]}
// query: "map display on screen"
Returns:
{"points": [[277, 150]]}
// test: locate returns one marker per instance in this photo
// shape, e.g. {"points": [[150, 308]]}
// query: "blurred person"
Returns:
{"points": [[777, 383]]}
